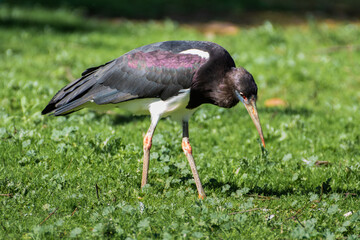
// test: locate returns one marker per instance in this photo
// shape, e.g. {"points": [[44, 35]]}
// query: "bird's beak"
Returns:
{"points": [[250, 105]]}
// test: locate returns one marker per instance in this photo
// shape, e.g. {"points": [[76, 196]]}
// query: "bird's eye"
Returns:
{"points": [[243, 96]]}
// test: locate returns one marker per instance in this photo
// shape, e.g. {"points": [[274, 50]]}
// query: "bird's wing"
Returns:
{"points": [[137, 74]]}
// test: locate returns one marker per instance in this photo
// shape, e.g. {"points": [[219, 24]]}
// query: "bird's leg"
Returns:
{"points": [[147, 146], [188, 153]]}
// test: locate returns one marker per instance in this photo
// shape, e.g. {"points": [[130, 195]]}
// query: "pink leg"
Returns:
{"points": [[146, 160], [147, 147], [188, 153]]}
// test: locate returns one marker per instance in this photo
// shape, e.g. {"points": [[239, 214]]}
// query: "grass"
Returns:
{"points": [[79, 176]]}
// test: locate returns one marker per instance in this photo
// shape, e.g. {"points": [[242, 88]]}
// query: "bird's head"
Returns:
{"points": [[245, 90]]}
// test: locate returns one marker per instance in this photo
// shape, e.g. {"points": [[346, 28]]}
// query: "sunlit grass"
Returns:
{"points": [[303, 186]]}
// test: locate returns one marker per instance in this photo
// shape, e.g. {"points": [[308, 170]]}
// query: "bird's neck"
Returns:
{"points": [[211, 84], [215, 91]]}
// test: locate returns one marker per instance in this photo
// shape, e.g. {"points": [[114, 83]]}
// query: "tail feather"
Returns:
{"points": [[63, 106], [66, 99], [75, 92], [73, 95], [70, 107]]}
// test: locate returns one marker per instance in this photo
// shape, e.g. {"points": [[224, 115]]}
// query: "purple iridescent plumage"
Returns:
{"points": [[163, 59]]}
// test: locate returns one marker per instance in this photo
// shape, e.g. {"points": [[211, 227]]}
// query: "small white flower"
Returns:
{"points": [[306, 161], [142, 207], [348, 214]]}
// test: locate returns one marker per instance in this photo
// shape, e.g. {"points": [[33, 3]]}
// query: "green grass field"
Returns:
{"points": [[79, 176]]}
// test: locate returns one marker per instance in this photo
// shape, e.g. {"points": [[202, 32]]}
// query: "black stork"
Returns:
{"points": [[162, 79]]}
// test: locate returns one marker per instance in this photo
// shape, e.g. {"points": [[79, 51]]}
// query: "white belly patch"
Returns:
{"points": [[175, 107]]}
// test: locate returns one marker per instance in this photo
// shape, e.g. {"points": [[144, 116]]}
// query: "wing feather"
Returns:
{"points": [[136, 74]]}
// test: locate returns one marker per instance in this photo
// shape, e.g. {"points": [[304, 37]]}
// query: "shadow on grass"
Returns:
{"points": [[58, 25], [120, 118], [216, 186], [123, 119], [287, 111], [323, 188], [41, 25]]}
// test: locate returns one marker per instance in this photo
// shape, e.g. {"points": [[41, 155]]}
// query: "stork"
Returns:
{"points": [[171, 78]]}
